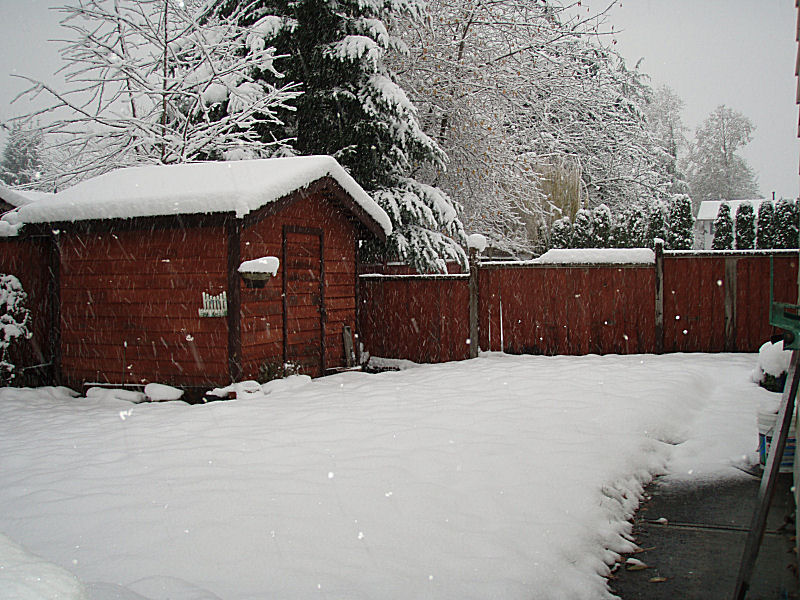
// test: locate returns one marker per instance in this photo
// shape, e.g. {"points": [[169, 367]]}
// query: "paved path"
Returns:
{"points": [[699, 549]]}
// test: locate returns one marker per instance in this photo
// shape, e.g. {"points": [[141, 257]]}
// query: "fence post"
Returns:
{"points": [[730, 304], [473, 303], [659, 250]]}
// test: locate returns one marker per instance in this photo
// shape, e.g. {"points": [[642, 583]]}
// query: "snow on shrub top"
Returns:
{"points": [[208, 187], [477, 241], [773, 359], [603, 256]]}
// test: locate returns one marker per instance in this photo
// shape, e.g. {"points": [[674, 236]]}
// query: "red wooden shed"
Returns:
{"points": [[146, 268]]}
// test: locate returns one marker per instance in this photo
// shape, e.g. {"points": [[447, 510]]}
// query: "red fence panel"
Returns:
{"points": [[752, 297], [423, 319], [694, 304], [567, 310]]}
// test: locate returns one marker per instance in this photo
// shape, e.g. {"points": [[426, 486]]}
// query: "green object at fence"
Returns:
{"points": [[783, 315]]}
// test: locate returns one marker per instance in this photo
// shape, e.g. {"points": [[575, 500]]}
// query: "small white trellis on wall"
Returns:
{"points": [[214, 306]]}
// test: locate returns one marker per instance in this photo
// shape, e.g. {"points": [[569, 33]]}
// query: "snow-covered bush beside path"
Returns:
{"points": [[14, 323], [501, 477]]}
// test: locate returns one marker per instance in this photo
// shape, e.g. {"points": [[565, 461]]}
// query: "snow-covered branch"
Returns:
{"points": [[151, 81]]}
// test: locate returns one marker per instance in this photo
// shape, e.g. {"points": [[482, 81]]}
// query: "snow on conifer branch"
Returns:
{"points": [[15, 321]]}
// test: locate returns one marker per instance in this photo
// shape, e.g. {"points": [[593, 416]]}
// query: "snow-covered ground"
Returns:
{"points": [[500, 477]]}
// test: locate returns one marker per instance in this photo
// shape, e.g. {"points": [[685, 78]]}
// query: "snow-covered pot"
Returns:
{"points": [[767, 418]]}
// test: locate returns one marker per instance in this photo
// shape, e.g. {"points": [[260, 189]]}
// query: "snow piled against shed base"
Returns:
{"points": [[240, 187]]}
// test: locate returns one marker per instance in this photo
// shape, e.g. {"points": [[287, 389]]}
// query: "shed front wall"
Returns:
{"points": [[129, 306], [262, 308]]}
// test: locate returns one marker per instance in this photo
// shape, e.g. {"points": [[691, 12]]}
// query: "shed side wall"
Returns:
{"points": [[129, 306]]}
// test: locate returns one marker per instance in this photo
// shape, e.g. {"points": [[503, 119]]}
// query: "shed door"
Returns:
{"points": [[304, 299]]}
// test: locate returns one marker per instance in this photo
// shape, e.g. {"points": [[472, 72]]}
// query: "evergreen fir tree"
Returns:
{"points": [[765, 234], [352, 109], [745, 227], [657, 223], [561, 233], [785, 224], [723, 229], [680, 223], [21, 161], [601, 226], [583, 229]]}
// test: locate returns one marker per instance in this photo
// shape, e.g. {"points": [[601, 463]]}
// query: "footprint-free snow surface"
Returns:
{"points": [[507, 477]]}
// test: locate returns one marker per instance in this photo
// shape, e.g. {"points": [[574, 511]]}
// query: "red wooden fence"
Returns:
{"points": [[419, 318], [712, 302]]}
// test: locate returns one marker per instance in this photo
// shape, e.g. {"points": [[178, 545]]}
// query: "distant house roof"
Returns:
{"points": [[238, 187], [710, 208]]}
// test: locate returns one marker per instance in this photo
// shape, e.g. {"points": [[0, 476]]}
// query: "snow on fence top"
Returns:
{"points": [[594, 256], [194, 188]]}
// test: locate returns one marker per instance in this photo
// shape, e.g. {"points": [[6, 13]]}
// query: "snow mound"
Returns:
{"points": [[253, 389], [158, 392], [102, 393], [24, 576]]}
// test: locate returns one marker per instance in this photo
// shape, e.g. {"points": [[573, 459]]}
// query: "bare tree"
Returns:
{"points": [[147, 82], [523, 96], [716, 170]]}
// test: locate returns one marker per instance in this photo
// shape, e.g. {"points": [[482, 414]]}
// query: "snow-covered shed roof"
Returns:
{"points": [[710, 208], [238, 187]]}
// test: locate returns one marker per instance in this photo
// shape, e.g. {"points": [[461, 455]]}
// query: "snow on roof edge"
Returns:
{"points": [[19, 198], [240, 187]]}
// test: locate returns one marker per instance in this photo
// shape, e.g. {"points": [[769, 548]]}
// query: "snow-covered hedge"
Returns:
{"points": [[14, 324]]}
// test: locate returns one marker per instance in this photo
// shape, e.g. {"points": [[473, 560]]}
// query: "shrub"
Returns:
{"points": [[765, 227], [723, 229], [14, 325], [561, 233], [745, 227], [680, 223]]}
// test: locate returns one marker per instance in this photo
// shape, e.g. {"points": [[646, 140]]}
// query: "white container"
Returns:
{"points": [[767, 418]]}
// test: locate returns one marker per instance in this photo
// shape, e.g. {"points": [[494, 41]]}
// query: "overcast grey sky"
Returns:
{"points": [[740, 53], [735, 52]]}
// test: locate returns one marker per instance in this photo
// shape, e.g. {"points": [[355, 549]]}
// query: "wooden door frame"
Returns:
{"points": [[289, 229]]}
